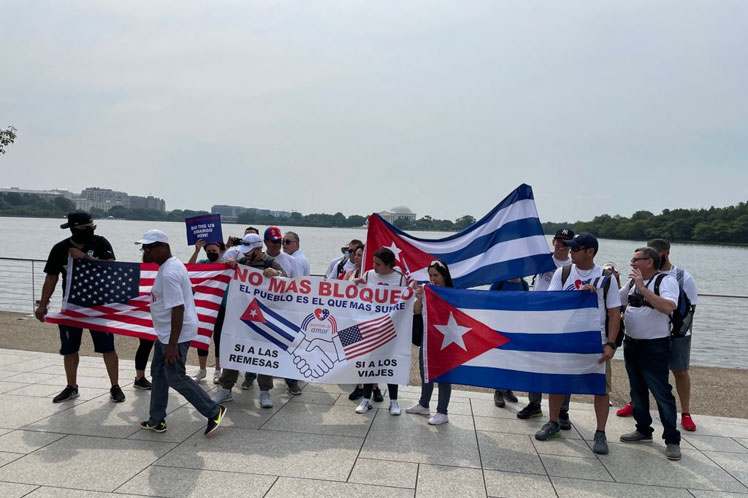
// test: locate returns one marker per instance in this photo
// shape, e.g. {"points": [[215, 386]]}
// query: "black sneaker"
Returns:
{"points": [[160, 427], [530, 411], [213, 423], [549, 430], [510, 397], [142, 384], [378, 395], [498, 399], [357, 393], [66, 395], [294, 389], [563, 420], [116, 394]]}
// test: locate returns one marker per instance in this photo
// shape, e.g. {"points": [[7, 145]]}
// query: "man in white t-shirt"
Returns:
{"points": [[541, 281], [646, 349], [560, 256], [680, 348], [273, 240], [584, 274], [291, 246], [175, 323]]}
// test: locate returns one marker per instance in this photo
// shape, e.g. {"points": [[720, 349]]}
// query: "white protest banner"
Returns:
{"points": [[309, 328]]}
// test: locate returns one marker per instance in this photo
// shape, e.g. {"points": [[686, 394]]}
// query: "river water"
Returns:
{"points": [[720, 333]]}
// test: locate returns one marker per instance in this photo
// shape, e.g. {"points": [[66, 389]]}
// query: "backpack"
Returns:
{"points": [[682, 316], [607, 275]]}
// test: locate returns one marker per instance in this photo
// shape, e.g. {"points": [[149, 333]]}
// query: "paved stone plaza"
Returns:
{"points": [[314, 445]]}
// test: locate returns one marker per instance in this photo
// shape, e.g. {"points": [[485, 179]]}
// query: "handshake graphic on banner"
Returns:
{"points": [[316, 357]]}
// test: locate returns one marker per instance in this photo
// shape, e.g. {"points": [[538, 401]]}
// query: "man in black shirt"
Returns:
{"points": [[82, 244]]}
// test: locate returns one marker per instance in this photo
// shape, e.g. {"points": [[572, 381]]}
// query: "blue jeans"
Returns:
{"points": [[445, 390], [173, 375], [647, 367]]}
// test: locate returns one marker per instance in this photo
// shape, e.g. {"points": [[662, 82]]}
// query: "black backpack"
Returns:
{"points": [[682, 316], [607, 275]]}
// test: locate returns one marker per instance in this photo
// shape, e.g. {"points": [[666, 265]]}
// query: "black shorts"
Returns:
{"points": [[70, 340]]}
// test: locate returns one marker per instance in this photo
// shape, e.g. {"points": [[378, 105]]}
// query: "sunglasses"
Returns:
{"points": [[148, 247], [634, 260], [438, 263], [288, 242]]}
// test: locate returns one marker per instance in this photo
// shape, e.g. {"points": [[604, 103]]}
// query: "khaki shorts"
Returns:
{"points": [[608, 377]]}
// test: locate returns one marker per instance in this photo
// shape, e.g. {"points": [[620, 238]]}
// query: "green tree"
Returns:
{"points": [[7, 137], [464, 222]]}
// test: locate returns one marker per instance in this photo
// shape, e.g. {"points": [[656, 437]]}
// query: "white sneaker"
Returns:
{"points": [[418, 410], [394, 407], [364, 407], [438, 419], [265, 400], [223, 395], [216, 375], [200, 375]]}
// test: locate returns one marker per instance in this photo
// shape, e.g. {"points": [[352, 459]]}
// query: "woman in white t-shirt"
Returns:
{"points": [[358, 257], [384, 273]]}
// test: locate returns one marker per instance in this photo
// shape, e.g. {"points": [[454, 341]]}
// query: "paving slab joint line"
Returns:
{"points": [[724, 469], [360, 448], [29, 493], [271, 486], [477, 445]]}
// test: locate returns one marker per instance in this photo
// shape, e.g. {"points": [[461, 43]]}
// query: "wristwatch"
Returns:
{"points": [[611, 344]]}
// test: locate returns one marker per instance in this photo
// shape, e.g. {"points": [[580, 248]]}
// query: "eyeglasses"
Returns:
{"points": [[634, 260], [288, 242], [577, 249]]}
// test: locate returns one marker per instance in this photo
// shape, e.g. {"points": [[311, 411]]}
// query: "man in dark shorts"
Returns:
{"points": [[82, 244]]}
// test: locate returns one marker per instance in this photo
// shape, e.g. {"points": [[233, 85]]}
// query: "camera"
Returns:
{"points": [[636, 300], [234, 241]]}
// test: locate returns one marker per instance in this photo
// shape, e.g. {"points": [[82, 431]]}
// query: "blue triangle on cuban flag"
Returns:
{"points": [[253, 313], [453, 337]]}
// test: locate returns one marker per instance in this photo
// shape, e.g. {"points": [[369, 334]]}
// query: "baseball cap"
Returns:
{"points": [[77, 218], [153, 236], [584, 239], [249, 242], [273, 234], [564, 234]]}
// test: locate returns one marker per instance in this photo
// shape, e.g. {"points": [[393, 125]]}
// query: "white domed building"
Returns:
{"points": [[398, 212]]}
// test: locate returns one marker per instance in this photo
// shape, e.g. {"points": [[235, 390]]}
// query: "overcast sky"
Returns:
{"points": [[359, 106]]}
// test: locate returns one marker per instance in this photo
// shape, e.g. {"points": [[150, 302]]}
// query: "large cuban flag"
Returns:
{"points": [[546, 342], [506, 243]]}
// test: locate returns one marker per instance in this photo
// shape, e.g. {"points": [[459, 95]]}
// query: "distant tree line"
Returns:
{"points": [[727, 225]]}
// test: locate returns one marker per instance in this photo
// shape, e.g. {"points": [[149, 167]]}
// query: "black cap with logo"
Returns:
{"points": [[76, 219]]}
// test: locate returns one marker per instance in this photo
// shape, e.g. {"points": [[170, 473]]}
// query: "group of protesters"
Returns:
{"points": [[643, 303]]}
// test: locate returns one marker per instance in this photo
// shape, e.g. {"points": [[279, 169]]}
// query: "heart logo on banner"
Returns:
{"points": [[321, 314]]}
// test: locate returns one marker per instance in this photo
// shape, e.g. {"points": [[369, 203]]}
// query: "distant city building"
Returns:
{"points": [[102, 199], [150, 202], [398, 212], [41, 193], [232, 213]]}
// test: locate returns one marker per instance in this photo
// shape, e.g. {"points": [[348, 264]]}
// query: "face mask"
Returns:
{"points": [[82, 236], [212, 256]]}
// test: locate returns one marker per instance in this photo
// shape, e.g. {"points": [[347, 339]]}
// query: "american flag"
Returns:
{"points": [[367, 336], [101, 296]]}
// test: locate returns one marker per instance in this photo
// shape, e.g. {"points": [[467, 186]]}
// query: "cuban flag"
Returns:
{"points": [[546, 342], [506, 243], [270, 325]]}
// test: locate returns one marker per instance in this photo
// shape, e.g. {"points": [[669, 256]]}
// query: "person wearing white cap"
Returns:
{"points": [[251, 247], [175, 322]]}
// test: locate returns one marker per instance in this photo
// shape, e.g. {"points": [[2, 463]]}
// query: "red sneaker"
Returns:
{"points": [[687, 422], [626, 411]]}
